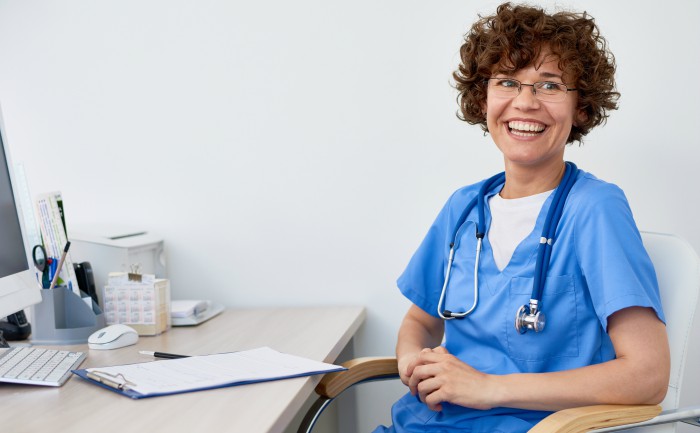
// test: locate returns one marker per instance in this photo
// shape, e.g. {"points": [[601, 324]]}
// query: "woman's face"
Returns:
{"points": [[530, 132]]}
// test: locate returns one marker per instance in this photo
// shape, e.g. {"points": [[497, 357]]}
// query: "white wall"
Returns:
{"points": [[295, 152]]}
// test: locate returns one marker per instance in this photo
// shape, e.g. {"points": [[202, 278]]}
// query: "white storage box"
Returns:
{"points": [[118, 250]]}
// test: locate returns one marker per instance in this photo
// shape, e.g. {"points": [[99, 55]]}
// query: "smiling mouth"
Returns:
{"points": [[526, 129]]}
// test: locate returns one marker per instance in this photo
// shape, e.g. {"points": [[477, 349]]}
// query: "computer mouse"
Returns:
{"points": [[113, 337]]}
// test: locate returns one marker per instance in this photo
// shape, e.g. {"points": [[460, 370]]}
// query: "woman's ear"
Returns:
{"points": [[580, 118]]}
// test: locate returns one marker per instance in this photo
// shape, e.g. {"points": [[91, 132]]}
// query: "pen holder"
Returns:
{"points": [[62, 317]]}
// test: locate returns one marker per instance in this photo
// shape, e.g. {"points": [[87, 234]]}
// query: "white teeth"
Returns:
{"points": [[526, 126]]}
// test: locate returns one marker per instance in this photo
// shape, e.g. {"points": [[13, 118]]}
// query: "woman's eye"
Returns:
{"points": [[547, 85], [507, 83]]}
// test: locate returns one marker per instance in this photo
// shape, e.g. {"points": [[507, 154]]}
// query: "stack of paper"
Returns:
{"points": [[193, 312], [186, 308]]}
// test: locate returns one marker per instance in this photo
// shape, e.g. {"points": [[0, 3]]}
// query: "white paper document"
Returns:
{"points": [[204, 372]]}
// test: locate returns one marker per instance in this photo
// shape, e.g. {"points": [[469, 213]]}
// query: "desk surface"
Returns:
{"points": [[316, 333]]}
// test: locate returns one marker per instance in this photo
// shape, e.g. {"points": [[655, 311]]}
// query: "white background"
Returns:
{"points": [[295, 153]]}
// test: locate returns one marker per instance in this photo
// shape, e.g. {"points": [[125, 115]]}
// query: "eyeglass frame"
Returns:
{"points": [[534, 89]]}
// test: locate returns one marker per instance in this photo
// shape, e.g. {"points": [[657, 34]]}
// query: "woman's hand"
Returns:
{"points": [[436, 376], [418, 330], [404, 363]]}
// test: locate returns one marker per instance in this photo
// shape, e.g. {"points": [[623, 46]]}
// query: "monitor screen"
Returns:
{"points": [[18, 286]]}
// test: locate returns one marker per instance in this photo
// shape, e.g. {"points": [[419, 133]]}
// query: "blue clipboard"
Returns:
{"points": [[110, 378]]}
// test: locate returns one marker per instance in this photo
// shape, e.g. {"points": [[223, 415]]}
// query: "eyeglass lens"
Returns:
{"points": [[543, 90]]}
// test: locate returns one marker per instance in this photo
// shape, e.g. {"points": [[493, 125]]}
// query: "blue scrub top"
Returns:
{"points": [[598, 266]]}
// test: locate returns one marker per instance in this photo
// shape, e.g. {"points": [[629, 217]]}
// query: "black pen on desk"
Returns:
{"points": [[60, 265], [162, 355]]}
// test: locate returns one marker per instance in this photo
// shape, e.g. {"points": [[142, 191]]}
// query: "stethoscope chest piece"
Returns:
{"points": [[528, 318]]}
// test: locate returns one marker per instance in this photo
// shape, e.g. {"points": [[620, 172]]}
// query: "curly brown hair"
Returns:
{"points": [[515, 37]]}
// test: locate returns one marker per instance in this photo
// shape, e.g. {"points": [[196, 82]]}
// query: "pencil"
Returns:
{"points": [[60, 265]]}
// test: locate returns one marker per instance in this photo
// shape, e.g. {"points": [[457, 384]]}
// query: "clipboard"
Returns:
{"points": [[199, 373]]}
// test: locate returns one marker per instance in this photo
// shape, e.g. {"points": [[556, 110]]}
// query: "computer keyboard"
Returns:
{"points": [[38, 366]]}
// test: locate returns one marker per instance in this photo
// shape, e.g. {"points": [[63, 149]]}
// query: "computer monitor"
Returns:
{"points": [[19, 288]]}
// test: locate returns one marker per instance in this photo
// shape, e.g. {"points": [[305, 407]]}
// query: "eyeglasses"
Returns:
{"points": [[546, 91]]}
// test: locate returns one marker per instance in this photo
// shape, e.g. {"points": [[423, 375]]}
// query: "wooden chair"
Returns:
{"points": [[678, 270]]}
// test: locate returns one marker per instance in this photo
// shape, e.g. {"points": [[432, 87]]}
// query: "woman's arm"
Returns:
{"points": [[638, 375], [419, 330]]}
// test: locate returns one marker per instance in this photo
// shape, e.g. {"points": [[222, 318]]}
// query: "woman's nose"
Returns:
{"points": [[526, 98]]}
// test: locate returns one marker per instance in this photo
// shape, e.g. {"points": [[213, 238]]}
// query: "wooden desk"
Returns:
{"points": [[316, 333]]}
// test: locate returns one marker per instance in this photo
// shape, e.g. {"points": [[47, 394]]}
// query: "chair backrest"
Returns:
{"points": [[678, 271]]}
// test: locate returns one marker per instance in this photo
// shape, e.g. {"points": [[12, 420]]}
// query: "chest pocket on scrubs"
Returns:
{"points": [[560, 335]]}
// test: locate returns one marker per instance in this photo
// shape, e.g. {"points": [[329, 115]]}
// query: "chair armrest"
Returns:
{"points": [[575, 420], [586, 418], [689, 415], [358, 370]]}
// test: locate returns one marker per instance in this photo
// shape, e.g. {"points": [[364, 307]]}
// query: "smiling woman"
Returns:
{"points": [[519, 37], [532, 128], [524, 243]]}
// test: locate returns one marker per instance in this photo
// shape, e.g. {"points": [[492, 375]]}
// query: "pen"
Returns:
{"points": [[162, 355], [60, 265]]}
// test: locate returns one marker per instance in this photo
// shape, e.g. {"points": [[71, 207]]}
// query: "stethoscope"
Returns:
{"points": [[528, 316]]}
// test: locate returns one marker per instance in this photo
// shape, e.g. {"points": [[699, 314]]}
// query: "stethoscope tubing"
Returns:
{"points": [[547, 240], [544, 249], [480, 232]]}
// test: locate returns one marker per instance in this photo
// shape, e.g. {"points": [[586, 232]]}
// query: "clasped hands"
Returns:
{"points": [[437, 376]]}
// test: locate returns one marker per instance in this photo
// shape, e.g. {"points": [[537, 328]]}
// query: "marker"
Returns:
{"points": [[60, 265], [162, 355]]}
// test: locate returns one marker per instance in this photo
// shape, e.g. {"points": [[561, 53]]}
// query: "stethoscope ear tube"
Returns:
{"points": [[447, 314]]}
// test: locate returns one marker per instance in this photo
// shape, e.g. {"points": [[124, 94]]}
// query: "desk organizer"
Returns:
{"points": [[62, 317]]}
